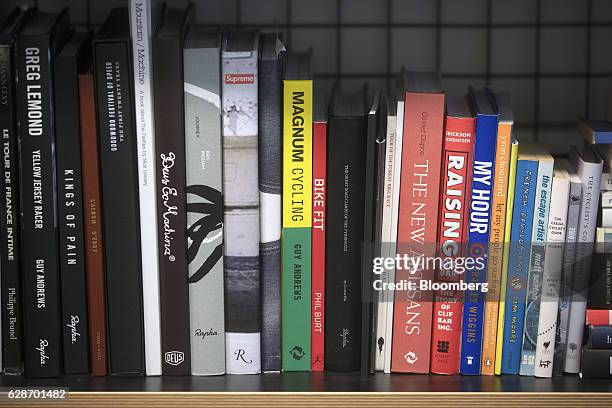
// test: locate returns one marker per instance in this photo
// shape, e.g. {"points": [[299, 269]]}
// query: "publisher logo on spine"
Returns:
{"points": [[238, 79], [174, 357]]}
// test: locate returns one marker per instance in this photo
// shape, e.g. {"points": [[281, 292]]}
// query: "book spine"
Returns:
{"points": [[595, 317], [536, 266], [499, 341], [478, 242], [417, 228], [93, 235], [346, 153], [70, 216], [496, 246], [204, 164], [456, 181], [600, 293], [596, 363], [518, 265], [141, 15], [392, 246], [241, 214], [168, 103], [40, 263], [386, 247], [297, 225], [590, 174], [551, 277], [565, 290], [270, 201], [606, 182], [319, 188], [599, 337], [10, 221], [119, 187]]}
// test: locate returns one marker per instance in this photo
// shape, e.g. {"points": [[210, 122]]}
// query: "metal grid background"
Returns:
{"points": [[554, 56]]}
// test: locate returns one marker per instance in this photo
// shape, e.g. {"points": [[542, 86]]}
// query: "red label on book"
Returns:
{"points": [[452, 235], [417, 229], [319, 155], [597, 317]]}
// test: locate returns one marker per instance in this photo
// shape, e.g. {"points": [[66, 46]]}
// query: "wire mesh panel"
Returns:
{"points": [[554, 56]]}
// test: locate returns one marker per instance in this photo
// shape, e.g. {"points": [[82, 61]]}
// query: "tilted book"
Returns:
{"points": [[551, 275], [418, 220], [588, 165], [74, 58], [297, 213], [36, 48], [518, 263], [170, 154], [346, 153], [241, 202], [499, 341], [498, 227], [119, 188], [10, 215], [457, 159], [142, 27], [539, 233], [481, 200], [270, 200], [204, 163]]}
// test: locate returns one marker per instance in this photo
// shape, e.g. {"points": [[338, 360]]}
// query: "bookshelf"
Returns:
{"points": [[553, 56]]}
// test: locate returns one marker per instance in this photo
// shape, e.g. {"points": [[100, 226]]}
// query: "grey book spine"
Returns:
{"points": [[204, 209]]}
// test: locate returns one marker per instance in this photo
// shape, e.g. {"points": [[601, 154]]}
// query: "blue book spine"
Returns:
{"points": [[536, 269], [518, 268], [600, 337], [478, 242]]}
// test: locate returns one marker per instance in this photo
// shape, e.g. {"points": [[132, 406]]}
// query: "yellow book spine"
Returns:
{"points": [[496, 243], [297, 154], [499, 340]]}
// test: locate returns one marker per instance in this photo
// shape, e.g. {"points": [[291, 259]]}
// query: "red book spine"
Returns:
{"points": [[417, 230], [319, 154], [598, 317], [452, 236], [94, 254]]}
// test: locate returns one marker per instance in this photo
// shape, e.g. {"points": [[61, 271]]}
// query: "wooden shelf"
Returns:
{"points": [[322, 389]]}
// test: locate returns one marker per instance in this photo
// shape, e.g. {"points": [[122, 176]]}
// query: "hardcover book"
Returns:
{"points": [[203, 152], [170, 138], [600, 292], [143, 21], [599, 337], [539, 233], [551, 275], [595, 131], [346, 155], [589, 167], [481, 200], [297, 213], [73, 59], [10, 216], [36, 48], [596, 363], [270, 200], [598, 317], [497, 229], [239, 58], [519, 253], [457, 159], [417, 220], [93, 233], [319, 223], [119, 188]]}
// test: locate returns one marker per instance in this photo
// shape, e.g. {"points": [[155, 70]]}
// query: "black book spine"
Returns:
{"points": [[40, 264], [599, 337], [10, 223], [596, 363], [117, 141], [346, 154], [600, 292], [171, 204], [70, 214]]}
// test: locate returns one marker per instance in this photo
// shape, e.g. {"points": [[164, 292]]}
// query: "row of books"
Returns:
{"points": [[189, 205]]}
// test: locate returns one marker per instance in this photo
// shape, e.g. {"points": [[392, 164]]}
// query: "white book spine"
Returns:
{"points": [[551, 279], [606, 199], [606, 218], [381, 321], [140, 25], [397, 171], [606, 182]]}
